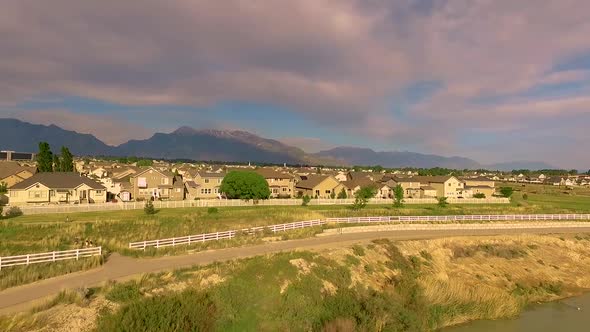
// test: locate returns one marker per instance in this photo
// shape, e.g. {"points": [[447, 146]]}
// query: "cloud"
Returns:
{"points": [[335, 62], [108, 129]]}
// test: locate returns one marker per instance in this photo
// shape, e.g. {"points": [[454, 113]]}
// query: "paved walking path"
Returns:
{"points": [[122, 268]]}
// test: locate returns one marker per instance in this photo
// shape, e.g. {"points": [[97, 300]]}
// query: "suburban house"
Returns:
{"points": [[155, 184], [411, 186], [208, 184], [352, 186], [480, 185], [427, 192], [318, 186], [12, 173], [445, 186], [280, 184], [59, 187]]}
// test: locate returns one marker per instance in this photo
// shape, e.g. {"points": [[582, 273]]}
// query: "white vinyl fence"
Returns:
{"points": [[191, 239], [70, 208], [492, 217], [45, 257]]}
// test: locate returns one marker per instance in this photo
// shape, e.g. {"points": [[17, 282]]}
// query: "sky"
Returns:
{"points": [[492, 80]]}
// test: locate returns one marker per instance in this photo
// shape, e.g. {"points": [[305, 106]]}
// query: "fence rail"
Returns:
{"points": [[45, 257], [191, 239], [67, 208], [492, 217]]}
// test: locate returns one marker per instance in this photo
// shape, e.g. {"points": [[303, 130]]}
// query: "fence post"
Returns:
{"points": [[0, 263], [54, 256], [27, 259], [77, 254]]}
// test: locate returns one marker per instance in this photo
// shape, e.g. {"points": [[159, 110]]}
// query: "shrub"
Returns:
{"points": [[525, 196], [362, 196], [124, 292], [305, 200], [212, 210], [479, 195], [398, 195], [13, 211], [149, 208], [342, 194], [186, 311], [442, 202], [506, 191], [332, 195]]}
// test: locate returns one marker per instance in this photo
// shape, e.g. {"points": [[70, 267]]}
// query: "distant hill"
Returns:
{"points": [[218, 145], [22, 136], [531, 165], [368, 157], [226, 145]]}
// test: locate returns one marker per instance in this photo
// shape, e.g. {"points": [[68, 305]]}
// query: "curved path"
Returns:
{"points": [[122, 268]]}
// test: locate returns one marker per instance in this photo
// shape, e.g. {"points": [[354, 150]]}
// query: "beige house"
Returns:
{"points": [[481, 185], [155, 184], [207, 184], [445, 186], [411, 186], [354, 185], [60, 187], [12, 173], [318, 186], [280, 184]]}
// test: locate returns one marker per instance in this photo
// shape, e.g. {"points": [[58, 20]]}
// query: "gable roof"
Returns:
{"points": [[311, 181], [211, 175], [8, 168], [58, 180], [269, 173]]}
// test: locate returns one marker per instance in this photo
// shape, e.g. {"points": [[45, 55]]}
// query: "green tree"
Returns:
{"points": [[44, 158], [398, 196], [573, 172], [506, 191], [442, 202], [479, 195], [244, 185], [362, 196], [56, 163], [145, 162], [66, 161], [149, 207], [342, 194], [333, 195], [3, 188], [305, 200]]}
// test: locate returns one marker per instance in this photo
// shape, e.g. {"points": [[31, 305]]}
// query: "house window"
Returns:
{"points": [[177, 190], [317, 192], [216, 190], [12, 193], [206, 180], [165, 180], [328, 191], [275, 190], [142, 182], [52, 193], [99, 192], [284, 189], [449, 184]]}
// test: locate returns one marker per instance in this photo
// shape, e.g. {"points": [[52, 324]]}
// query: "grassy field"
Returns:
{"points": [[382, 286], [115, 229]]}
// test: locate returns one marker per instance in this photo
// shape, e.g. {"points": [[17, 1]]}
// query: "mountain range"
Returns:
{"points": [[224, 145]]}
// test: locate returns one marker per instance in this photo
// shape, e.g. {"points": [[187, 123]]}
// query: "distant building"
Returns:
{"points": [[16, 156]]}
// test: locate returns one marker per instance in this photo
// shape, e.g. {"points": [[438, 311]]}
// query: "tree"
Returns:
{"points": [[305, 200], [244, 185], [66, 161], [333, 195], [342, 194], [573, 172], [442, 202], [398, 196], [145, 162], [44, 158], [362, 196], [506, 191], [149, 207], [3, 188], [479, 195]]}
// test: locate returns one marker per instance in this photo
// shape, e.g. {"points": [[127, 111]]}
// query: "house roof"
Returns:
{"points": [[433, 179], [8, 168], [478, 178], [269, 173], [359, 182], [311, 181], [211, 175], [58, 180], [427, 188], [191, 184]]}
